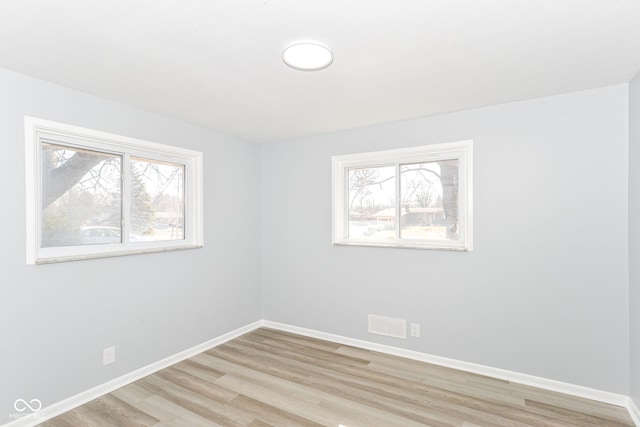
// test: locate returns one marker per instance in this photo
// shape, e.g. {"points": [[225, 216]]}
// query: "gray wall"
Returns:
{"points": [[634, 235], [56, 319], [545, 291]]}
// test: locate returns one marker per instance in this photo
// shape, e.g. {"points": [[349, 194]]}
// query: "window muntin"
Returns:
{"points": [[418, 197], [93, 194]]}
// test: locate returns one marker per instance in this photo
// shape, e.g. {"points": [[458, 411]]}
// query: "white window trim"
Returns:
{"points": [[37, 130], [461, 150]]}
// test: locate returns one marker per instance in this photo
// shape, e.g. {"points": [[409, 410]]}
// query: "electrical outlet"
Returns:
{"points": [[415, 330], [108, 356]]}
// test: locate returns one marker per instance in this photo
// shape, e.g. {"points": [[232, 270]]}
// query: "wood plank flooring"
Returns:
{"points": [[273, 378]]}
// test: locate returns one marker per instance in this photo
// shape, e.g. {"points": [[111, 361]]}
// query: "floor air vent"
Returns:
{"points": [[387, 326]]}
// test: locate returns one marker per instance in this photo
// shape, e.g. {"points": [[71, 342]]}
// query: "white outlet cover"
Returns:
{"points": [[108, 356], [415, 330]]}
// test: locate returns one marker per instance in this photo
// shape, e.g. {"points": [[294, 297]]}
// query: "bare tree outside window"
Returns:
{"points": [[81, 196], [429, 200], [415, 197], [371, 201], [93, 194]]}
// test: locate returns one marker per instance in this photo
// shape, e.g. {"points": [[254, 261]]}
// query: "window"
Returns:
{"points": [[417, 197], [91, 194]]}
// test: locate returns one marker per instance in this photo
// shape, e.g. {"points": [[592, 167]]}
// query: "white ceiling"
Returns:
{"points": [[218, 63]]}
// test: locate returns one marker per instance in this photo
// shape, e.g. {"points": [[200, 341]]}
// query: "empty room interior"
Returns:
{"points": [[340, 213]]}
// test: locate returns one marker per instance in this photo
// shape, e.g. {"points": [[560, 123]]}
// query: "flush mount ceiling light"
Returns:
{"points": [[307, 55]]}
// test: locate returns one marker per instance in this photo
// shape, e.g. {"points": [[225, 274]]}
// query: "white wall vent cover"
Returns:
{"points": [[387, 326]]}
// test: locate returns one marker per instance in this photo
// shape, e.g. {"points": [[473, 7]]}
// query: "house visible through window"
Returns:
{"points": [[93, 194], [417, 197]]}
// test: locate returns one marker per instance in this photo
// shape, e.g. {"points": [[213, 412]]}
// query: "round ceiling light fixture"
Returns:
{"points": [[307, 55]]}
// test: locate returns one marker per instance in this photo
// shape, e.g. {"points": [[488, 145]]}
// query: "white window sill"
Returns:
{"points": [[404, 245], [53, 260]]}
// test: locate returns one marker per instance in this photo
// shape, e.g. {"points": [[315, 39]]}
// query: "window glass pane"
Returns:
{"points": [[157, 200], [372, 199], [81, 196], [429, 200]]}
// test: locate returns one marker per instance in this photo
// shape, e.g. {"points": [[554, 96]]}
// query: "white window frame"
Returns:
{"points": [[38, 131], [462, 151]]}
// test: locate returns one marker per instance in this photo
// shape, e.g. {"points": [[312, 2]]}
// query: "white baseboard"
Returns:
{"points": [[58, 408], [516, 377], [634, 412], [542, 383]]}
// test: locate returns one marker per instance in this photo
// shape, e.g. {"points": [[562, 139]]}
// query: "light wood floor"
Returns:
{"points": [[273, 378]]}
